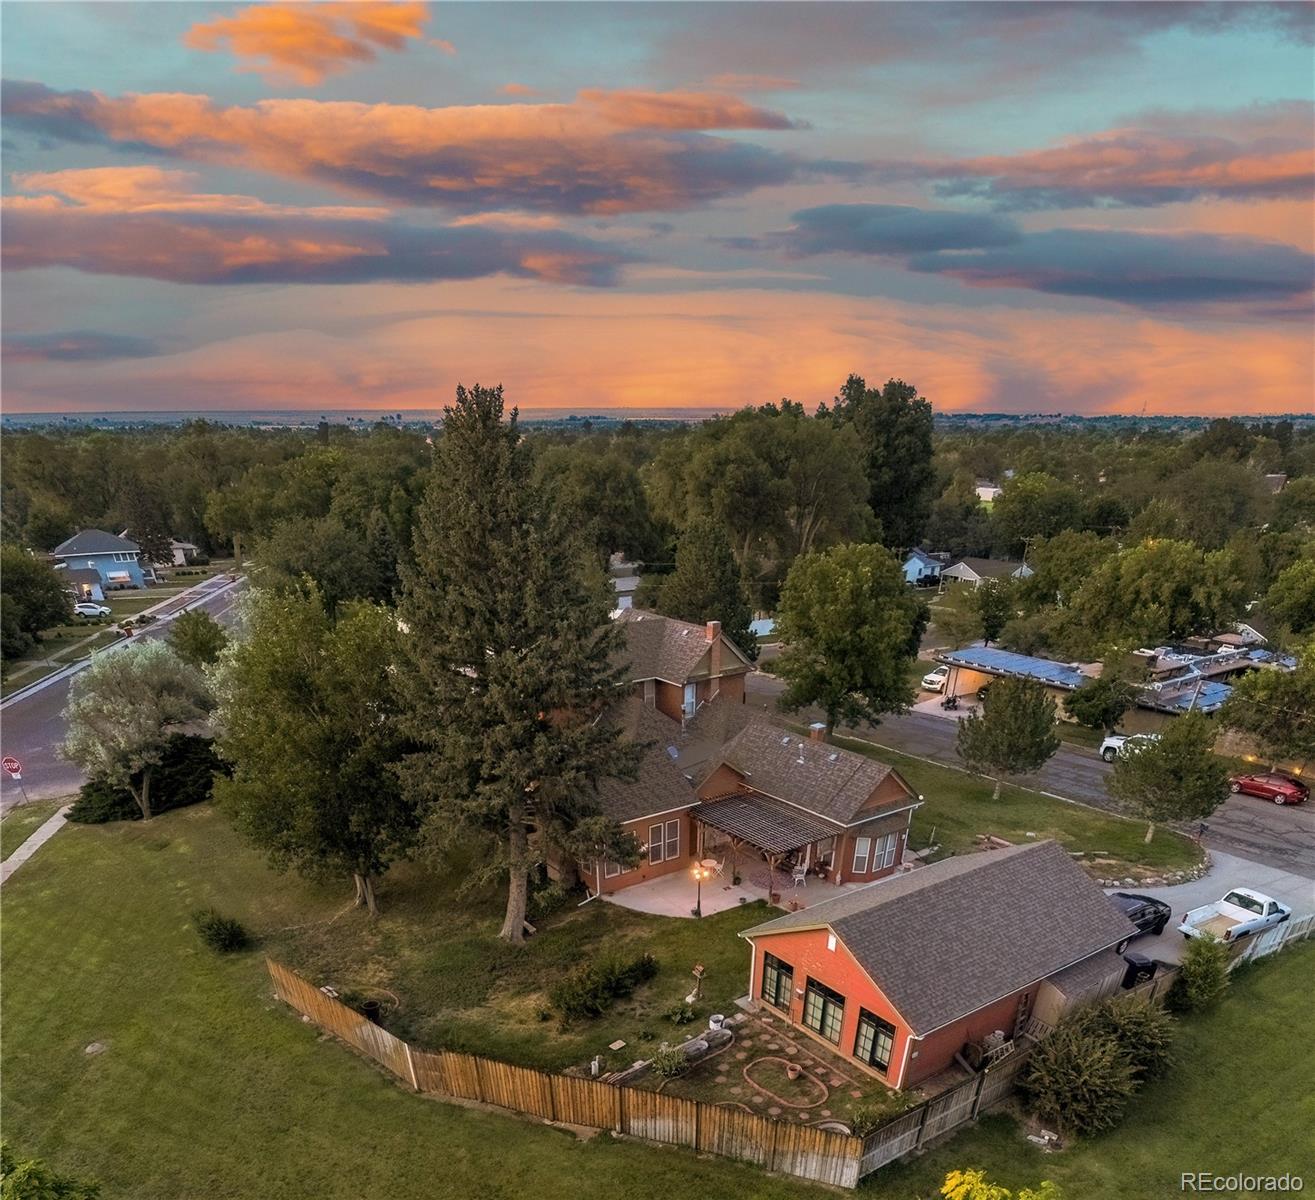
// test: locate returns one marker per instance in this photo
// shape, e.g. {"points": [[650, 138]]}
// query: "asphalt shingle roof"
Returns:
{"points": [[987, 568], [660, 784], [94, 541], [945, 940], [659, 647], [814, 775]]}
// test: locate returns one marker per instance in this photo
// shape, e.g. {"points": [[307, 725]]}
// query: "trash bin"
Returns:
{"points": [[1140, 969], [370, 1010]]}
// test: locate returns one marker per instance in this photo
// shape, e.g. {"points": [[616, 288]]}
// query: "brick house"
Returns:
{"points": [[906, 975], [676, 666]]}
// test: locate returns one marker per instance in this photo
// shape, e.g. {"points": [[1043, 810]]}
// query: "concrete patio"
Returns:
{"points": [[674, 895]]}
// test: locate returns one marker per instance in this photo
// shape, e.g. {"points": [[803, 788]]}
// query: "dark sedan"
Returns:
{"points": [[1146, 912], [1281, 789]]}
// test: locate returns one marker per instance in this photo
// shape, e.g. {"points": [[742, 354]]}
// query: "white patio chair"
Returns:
{"points": [[800, 875], [720, 868]]}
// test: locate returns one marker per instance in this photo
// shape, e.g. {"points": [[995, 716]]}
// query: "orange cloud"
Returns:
{"points": [[307, 41], [683, 350], [142, 221], [606, 152]]}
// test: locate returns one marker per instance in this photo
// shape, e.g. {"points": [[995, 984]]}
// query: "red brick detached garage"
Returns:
{"points": [[900, 975]]}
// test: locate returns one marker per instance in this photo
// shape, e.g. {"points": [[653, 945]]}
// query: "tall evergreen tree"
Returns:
{"points": [[706, 584], [511, 658], [894, 426]]}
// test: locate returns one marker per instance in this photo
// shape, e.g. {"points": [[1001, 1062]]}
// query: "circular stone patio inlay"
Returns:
{"points": [[768, 1076]]}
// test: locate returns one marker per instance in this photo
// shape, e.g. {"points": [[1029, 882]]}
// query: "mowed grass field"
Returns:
{"points": [[204, 1086]]}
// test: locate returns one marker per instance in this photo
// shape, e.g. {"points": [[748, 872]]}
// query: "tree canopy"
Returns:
{"points": [[850, 627], [1277, 709], [706, 585], [196, 637], [32, 598], [309, 720], [124, 707], [1013, 733]]}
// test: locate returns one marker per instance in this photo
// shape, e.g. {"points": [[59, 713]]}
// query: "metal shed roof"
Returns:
{"points": [[1004, 662]]}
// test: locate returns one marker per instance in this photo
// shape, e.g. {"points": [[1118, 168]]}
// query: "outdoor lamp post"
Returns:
{"points": [[700, 873]]}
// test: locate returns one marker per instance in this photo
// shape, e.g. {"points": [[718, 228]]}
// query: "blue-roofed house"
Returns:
{"points": [[921, 569], [115, 559]]}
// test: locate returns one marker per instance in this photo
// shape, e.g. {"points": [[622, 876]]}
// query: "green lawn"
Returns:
{"points": [[205, 1086], [958, 806], [19, 823]]}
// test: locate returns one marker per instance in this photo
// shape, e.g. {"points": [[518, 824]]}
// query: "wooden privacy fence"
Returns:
{"points": [[810, 1153], [940, 1114]]}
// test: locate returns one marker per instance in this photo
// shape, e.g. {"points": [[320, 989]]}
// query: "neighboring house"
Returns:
{"points": [[805, 803], [83, 582], [625, 580], [115, 559], [921, 569], [904, 976], [677, 666], [988, 492], [976, 571]]}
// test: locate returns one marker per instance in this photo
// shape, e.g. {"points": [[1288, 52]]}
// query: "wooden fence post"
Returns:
{"points": [[977, 1096], [481, 1084], [620, 1109], [410, 1065], [922, 1124], [552, 1098]]}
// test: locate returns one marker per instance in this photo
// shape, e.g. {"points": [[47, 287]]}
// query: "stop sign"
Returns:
{"points": [[12, 765]]}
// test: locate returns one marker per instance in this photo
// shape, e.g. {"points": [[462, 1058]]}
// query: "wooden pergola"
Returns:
{"points": [[775, 830]]}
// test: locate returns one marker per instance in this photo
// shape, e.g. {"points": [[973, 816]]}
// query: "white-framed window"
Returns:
{"points": [[884, 854], [673, 840], [663, 842], [826, 852], [862, 855], [611, 870], [690, 699]]}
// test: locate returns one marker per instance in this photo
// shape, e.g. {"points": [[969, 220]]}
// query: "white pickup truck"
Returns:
{"points": [[1240, 912]]}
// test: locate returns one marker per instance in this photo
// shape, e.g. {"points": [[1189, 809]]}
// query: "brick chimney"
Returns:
{"points": [[713, 634], [817, 731]]}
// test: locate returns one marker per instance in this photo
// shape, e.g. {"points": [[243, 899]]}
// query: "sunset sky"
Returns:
{"points": [[1020, 208]]}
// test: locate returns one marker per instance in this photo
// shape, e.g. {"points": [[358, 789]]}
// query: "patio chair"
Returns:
{"points": [[720, 868], [800, 875]]}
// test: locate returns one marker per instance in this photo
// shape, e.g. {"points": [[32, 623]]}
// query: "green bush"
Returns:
{"points": [[873, 1112], [589, 989], [1202, 975], [31, 1179], [669, 1061], [548, 899], [680, 1014], [1079, 1079], [185, 775], [1143, 1030], [222, 934]]}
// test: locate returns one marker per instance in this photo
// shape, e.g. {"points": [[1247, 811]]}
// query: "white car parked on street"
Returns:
{"points": [[1119, 744], [87, 609]]}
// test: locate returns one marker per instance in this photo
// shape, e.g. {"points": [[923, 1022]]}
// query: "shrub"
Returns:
{"points": [[680, 1014], [222, 934], [1202, 975], [873, 1112], [184, 776], [1079, 1079], [669, 1061], [549, 899], [589, 989], [32, 1179], [1143, 1030]]}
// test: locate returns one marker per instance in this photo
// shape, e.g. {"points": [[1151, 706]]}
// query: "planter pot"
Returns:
{"points": [[792, 1070], [716, 1021]]}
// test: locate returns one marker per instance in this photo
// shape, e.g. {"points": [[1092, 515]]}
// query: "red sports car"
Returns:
{"points": [[1279, 788]]}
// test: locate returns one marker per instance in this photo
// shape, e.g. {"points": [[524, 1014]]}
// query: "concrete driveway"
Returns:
{"points": [[1226, 871]]}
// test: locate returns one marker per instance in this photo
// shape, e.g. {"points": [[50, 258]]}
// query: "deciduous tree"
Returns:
{"points": [[1176, 778], [510, 657], [309, 721], [850, 627], [995, 606], [1291, 597], [1100, 703], [973, 1185], [1277, 708], [32, 598], [1013, 733], [197, 638], [124, 707]]}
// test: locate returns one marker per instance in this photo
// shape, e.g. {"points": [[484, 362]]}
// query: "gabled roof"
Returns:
{"points": [[94, 541], [813, 775], [660, 785], [987, 568], [81, 575], [659, 647], [921, 556], [945, 940]]}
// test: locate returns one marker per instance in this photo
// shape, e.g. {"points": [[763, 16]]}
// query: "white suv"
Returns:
{"points": [[87, 609], [1120, 744], [934, 681]]}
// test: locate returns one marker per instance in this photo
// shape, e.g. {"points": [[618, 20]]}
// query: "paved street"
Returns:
{"points": [[1275, 836], [32, 726]]}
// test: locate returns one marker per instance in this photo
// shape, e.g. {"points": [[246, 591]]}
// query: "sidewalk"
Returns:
{"points": [[40, 836]]}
